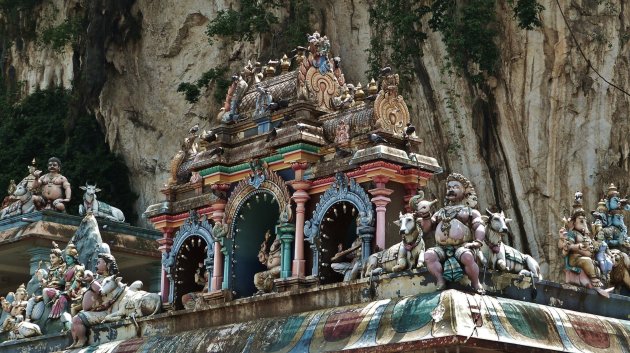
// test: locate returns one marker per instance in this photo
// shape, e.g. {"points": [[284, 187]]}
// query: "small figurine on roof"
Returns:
{"points": [[257, 175]]}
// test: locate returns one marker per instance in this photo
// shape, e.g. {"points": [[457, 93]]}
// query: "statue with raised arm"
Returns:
{"points": [[55, 188], [348, 261], [459, 232], [270, 257], [52, 282], [98, 308], [69, 288]]}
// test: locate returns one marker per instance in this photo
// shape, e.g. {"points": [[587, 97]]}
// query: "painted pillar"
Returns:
{"points": [[218, 214], [381, 200], [285, 231], [166, 242], [37, 255], [300, 196]]}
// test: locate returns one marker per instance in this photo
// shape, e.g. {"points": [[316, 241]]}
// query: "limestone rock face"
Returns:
{"points": [[548, 126]]}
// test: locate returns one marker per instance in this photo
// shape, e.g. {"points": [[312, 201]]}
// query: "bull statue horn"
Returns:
{"points": [[489, 212]]}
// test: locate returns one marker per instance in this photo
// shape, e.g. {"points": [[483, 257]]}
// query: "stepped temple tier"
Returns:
{"points": [[298, 220]]}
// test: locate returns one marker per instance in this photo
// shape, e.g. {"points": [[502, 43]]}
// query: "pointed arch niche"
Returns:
{"points": [[253, 208], [192, 250], [343, 213]]}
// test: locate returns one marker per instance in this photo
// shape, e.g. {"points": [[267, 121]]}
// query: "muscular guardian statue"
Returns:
{"points": [[55, 188], [459, 231]]}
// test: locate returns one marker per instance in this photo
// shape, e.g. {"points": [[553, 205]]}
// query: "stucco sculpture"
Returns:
{"points": [[459, 230]]}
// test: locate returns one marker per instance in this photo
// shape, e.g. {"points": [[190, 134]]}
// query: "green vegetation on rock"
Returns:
{"points": [[39, 127], [469, 30], [57, 37]]}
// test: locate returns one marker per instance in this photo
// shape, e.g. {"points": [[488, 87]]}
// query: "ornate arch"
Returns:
{"points": [[342, 189], [193, 226], [271, 183], [261, 182]]}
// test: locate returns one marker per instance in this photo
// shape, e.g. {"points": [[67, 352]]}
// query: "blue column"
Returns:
{"points": [[286, 233]]}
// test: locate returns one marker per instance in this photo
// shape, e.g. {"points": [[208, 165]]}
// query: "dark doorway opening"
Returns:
{"points": [[258, 214], [190, 258], [338, 227]]}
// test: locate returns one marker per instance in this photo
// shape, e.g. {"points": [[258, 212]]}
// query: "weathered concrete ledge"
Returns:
{"points": [[71, 220], [361, 291]]}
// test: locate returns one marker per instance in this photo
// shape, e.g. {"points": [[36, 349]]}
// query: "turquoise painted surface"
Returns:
{"points": [[288, 331], [414, 313], [527, 320]]}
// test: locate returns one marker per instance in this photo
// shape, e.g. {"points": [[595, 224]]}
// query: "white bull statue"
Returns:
{"points": [[98, 208], [496, 255], [406, 255], [129, 301]]}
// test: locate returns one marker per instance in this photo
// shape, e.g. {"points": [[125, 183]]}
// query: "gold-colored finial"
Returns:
{"points": [[612, 190], [359, 95], [285, 63], [372, 87]]}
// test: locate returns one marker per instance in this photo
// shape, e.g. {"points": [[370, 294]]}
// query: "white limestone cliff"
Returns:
{"points": [[550, 125]]}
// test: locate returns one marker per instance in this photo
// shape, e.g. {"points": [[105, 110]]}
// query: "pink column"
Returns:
{"points": [[217, 216], [300, 196], [381, 201], [166, 242]]}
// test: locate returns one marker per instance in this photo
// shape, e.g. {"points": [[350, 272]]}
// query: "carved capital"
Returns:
{"points": [[299, 168]]}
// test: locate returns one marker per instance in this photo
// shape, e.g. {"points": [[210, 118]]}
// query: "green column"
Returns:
{"points": [[286, 233], [227, 265]]}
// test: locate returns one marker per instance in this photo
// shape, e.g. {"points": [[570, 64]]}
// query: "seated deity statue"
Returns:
{"points": [[55, 188], [348, 262], [578, 249], [64, 298], [52, 283], [201, 278], [18, 306], [95, 309], [459, 231], [6, 310], [270, 257], [610, 214]]}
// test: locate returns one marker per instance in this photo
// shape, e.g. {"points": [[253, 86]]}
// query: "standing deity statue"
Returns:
{"points": [[55, 188], [270, 257], [459, 232], [578, 249]]}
